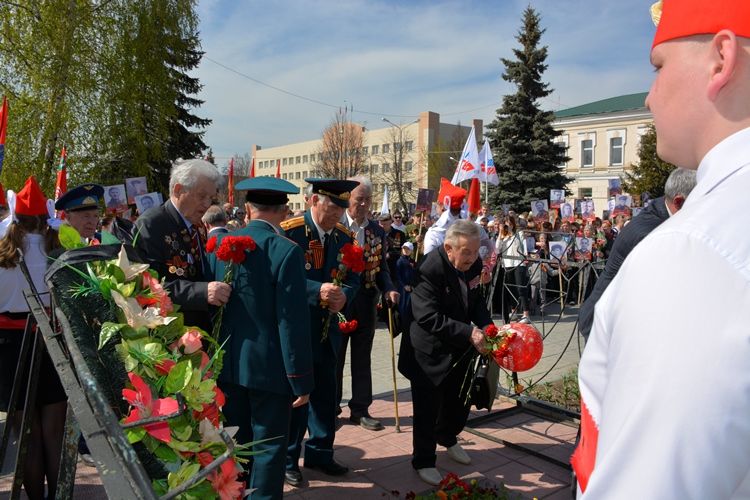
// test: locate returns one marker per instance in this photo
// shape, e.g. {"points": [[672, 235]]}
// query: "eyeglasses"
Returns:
{"points": [[397, 217]]}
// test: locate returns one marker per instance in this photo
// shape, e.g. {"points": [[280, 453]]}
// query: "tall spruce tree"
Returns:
{"points": [[651, 172], [521, 136]]}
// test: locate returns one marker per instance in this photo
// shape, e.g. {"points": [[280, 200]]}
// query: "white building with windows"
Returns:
{"points": [[601, 139], [421, 139]]}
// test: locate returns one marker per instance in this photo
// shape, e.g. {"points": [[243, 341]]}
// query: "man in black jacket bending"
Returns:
{"points": [[676, 190], [441, 342]]}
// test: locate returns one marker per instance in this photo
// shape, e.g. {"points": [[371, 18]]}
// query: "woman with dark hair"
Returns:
{"points": [[29, 235], [512, 247]]}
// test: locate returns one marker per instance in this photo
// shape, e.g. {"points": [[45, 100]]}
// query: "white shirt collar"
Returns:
{"points": [[319, 229], [720, 162]]}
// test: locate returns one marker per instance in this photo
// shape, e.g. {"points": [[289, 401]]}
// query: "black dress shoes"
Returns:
{"points": [[293, 478], [333, 468], [367, 422]]}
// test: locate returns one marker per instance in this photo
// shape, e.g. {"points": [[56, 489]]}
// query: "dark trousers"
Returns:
{"points": [[363, 309], [261, 415], [318, 417], [439, 415]]}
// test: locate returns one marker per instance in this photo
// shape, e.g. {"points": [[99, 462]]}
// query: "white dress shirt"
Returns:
{"points": [[354, 227], [666, 372]]}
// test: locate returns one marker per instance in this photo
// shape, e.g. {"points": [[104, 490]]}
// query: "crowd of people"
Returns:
{"points": [[405, 256]]}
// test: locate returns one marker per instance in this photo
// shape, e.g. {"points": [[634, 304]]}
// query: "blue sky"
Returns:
{"points": [[398, 58]]}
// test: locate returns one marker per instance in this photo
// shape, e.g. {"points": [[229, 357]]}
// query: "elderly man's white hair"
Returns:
{"points": [[187, 173], [363, 181], [465, 228]]}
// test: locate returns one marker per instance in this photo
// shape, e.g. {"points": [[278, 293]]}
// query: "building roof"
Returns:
{"points": [[610, 105]]}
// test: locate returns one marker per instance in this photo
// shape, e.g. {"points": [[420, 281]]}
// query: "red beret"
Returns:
{"points": [[681, 18], [454, 194]]}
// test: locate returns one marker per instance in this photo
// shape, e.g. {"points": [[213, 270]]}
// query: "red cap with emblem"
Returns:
{"points": [[454, 194], [681, 18], [30, 200]]}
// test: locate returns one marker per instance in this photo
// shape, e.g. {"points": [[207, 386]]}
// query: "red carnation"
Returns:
{"points": [[490, 331], [353, 257], [211, 244], [232, 248]]}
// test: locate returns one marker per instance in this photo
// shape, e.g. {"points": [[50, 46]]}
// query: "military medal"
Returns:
{"points": [[307, 266]]}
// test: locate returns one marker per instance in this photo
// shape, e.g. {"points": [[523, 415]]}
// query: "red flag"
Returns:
{"points": [[252, 167], [474, 200], [61, 184], [3, 130], [278, 169], [231, 182]]}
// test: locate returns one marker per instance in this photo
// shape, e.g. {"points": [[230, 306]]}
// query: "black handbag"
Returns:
{"points": [[484, 383]]}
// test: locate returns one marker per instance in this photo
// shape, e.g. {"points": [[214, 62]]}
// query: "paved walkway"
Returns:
{"points": [[379, 461]]}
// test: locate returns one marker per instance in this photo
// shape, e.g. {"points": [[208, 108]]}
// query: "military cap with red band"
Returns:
{"points": [[681, 18]]}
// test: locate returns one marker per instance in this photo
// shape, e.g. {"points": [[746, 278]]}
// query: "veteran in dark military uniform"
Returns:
{"points": [[268, 365], [81, 207], [321, 236], [374, 280], [171, 239]]}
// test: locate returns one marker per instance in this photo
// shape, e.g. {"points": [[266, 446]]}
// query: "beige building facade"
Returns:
{"points": [[425, 142], [602, 140]]}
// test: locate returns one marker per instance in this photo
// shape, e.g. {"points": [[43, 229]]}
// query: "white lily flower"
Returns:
{"points": [[130, 270], [136, 316]]}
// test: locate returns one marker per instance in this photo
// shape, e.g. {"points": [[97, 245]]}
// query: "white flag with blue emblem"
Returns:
{"points": [[487, 171], [468, 165]]}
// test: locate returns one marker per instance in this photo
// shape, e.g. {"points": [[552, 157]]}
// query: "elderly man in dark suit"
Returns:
{"points": [[676, 190], [374, 280], [171, 239], [449, 314], [268, 363]]}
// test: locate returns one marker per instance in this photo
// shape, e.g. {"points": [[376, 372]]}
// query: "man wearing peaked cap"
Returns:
{"points": [[268, 363], [321, 236], [665, 378], [81, 206]]}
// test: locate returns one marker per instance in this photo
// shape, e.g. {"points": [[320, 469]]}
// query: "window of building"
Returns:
{"points": [[587, 153], [364, 151], [299, 160], [615, 151], [585, 192], [297, 206], [408, 166], [386, 168], [284, 162], [304, 174], [396, 146], [375, 149], [365, 168], [304, 159], [408, 185], [283, 176], [386, 148], [409, 145], [375, 168], [320, 156], [297, 175]]}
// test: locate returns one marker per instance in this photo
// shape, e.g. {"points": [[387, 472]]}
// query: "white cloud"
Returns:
{"points": [[401, 58]]}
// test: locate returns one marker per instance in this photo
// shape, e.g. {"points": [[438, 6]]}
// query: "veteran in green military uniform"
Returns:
{"points": [[321, 236], [268, 362]]}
